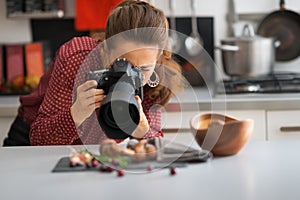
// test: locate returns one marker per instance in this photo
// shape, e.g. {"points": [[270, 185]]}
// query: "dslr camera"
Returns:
{"points": [[119, 113]]}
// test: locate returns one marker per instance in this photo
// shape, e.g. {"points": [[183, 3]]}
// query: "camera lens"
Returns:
{"points": [[119, 113], [121, 109]]}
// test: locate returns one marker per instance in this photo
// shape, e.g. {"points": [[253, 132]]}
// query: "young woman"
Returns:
{"points": [[56, 114]]}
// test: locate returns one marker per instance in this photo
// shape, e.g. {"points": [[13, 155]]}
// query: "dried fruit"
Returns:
{"points": [[109, 169], [102, 168], [95, 163], [121, 172], [128, 152], [149, 168], [151, 151], [109, 147], [140, 151], [172, 171], [76, 161]]}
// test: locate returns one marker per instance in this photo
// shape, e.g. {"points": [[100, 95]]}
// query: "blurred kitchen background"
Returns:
{"points": [[212, 18]]}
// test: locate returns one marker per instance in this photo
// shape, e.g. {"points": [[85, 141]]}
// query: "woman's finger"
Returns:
{"points": [[138, 99], [98, 99], [87, 85]]}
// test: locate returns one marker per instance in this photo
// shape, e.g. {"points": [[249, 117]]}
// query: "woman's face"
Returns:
{"points": [[145, 59]]}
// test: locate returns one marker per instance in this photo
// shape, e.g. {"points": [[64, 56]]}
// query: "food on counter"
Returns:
{"points": [[114, 155], [109, 147], [95, 163], [151, 151], [138, 151], [85, 157], [149, 168], [172, 171], [121, 172], [76, 161]]}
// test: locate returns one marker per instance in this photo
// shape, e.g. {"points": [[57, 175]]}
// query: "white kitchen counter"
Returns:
{"points": [[207, 100], [9, 105], [262, 170]]}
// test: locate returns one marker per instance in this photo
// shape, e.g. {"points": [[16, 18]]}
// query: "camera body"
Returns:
{"points": [[120, 70], [119, 115]]}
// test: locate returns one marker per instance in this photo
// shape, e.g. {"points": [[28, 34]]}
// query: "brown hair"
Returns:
{"points": [[132, 15]]}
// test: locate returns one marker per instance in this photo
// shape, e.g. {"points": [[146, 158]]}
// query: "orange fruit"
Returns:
{"points": [[18, 81], [32, 81]]}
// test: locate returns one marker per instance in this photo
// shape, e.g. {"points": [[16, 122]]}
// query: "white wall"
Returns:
{"points": [[13, 30], [218, 9], [18, 30]]}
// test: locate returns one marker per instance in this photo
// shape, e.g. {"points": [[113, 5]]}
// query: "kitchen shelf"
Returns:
{"points": [[255, 17], [252, 16], [37, 15]]}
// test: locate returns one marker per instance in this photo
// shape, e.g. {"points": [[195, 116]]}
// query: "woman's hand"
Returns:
{"points": [[143, 126], [88, 99]]}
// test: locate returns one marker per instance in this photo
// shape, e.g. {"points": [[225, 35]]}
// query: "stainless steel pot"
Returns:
{"points": [[248, 55]]}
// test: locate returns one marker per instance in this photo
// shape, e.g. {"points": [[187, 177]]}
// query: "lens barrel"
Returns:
{"points": [[119, 112]]}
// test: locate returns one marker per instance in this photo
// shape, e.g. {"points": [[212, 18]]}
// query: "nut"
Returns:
{"points": [[131, 143], [140, 151], [151, 151], [110, 147], [128, 152]]}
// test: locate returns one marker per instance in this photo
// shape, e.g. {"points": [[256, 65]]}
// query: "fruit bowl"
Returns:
{"points": [[223, 135]]}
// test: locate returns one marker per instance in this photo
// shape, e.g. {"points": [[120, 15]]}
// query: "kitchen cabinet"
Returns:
{"points": [[282, 125], [172, 121]]}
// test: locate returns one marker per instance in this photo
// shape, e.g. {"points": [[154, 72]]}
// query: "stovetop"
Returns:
{"points": [[272, 83]]}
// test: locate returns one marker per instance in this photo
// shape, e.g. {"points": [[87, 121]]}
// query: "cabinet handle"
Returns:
{"points": [[289, 128]]}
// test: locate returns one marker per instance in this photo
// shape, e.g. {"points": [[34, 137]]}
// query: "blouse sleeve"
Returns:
{"points": [[54, 124]]}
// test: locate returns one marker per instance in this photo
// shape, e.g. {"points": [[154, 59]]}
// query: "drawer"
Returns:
{"points": [[283, 125]]}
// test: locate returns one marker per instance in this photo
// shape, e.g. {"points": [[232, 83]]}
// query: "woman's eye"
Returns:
{"points": [[146, 68]]}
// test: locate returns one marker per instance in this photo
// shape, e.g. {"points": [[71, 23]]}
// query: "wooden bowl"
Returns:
{"points": [[222, 135]]}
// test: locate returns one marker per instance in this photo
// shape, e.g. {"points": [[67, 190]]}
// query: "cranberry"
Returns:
{"points": [[173, 171], [121, 172], [102, 168], [95, 163], [109, 169], [149, 168]]}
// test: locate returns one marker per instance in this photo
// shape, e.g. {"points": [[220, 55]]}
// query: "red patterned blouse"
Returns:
{"points": [[47, 108]]}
